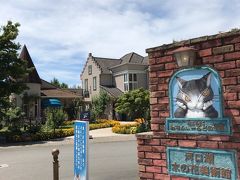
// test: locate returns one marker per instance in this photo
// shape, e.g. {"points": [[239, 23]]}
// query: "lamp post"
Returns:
{"points": [[185, 56]]}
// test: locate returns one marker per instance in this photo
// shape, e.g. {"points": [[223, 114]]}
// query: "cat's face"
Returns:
{"points": [[195, 93]]}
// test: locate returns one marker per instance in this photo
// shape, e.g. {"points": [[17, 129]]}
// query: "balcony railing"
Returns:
{"points": [[86, 94]]}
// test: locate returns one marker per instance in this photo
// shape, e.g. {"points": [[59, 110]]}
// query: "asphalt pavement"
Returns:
{"points": [[107, 161], [98, 135], [111, 156]]}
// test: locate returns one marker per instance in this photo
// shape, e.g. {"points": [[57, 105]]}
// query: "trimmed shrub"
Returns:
{"points": [[125, 129], [138, 127], [103, 123], [67, 130], [68, 123]]}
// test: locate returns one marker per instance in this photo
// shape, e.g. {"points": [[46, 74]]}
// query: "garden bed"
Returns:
{"points": [[67, 129]]}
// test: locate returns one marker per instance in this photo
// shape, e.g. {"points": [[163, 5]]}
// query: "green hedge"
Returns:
{"points": [[67, 130], [125, 129], [102, 123], [139, 126], [41, 136]]}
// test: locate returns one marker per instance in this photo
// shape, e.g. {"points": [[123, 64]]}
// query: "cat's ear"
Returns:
{"points": [[207, 78], [180, 82]]}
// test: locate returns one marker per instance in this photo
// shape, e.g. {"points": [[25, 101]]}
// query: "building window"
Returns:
{"points": [[89, 69], [86, 84], [36, 108], [86, 92], [94, 83], [25, 109], [125, 76], [130, 82]]}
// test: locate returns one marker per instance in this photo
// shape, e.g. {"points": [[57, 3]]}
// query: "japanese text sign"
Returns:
{"points": [[199, 163], [81, 130]]}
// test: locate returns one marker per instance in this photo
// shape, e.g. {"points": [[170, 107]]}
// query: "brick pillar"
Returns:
{"points": [[222, 52]]}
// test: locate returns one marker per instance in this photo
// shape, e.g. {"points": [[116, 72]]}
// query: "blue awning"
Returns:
{"points": [[51, 103]]}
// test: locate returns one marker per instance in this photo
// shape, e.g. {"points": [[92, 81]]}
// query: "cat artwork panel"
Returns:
{"points": [[196, 103], [195, 98]]}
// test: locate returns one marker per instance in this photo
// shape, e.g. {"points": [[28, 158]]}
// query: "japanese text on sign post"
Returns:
{"points": [[81, 130]]}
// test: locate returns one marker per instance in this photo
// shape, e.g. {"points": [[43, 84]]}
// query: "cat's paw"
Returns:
{"points": [[207, 105], [181, 105]]}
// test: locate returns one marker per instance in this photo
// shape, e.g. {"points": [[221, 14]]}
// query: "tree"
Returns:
{"points": [[99, 104], [56, 83], [55, 118], [15, 118], [74, 108], [134, 103], [13, 69], [64, 86]]}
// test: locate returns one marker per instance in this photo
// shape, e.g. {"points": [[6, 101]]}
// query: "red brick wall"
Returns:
{"points": [[219, 51]]}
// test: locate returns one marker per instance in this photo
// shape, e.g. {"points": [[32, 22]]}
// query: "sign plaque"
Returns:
{"points": [[207, 164], [196, 105], [85, 116]]}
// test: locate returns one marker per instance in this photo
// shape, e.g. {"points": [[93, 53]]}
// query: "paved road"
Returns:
{"points": [[107, 161]]}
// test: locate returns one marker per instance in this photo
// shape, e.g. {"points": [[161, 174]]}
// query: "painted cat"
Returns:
{"points": [[195, 98]]}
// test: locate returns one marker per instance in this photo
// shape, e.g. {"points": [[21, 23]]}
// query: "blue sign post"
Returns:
{"points": [[81, 130]]}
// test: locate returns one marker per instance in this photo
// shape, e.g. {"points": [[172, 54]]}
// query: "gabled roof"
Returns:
{"points": [[145, 60], [50, 91], [112, 91], [76, 91], [105, 63], [57, 93], [132, 58], [47, 85], [33, 76]]}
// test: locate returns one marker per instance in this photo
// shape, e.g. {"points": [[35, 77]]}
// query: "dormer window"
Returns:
{"points": [[130, 82], [89, 69]]}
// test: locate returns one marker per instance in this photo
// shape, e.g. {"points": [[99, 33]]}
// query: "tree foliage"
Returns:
{"points": [[13, 69], [99, 104], [134, 103], [15, 118], [55, 118], [56, 82], [74, 108]]}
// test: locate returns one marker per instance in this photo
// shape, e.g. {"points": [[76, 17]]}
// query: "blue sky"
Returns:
{"points": [[59, 34]]}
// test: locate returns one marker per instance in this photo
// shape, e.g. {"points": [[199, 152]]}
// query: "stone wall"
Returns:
{"points": [[222, 52]]}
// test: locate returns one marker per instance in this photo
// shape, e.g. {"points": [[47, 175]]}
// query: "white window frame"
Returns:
{"points": [[130, 83], [86, 84], [89, 69], [94, 83]]}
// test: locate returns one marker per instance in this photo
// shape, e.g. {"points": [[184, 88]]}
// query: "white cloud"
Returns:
{"points": [[62, 33]]}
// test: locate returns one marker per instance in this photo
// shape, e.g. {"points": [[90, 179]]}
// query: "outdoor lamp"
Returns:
{"points": [[185, 56]]}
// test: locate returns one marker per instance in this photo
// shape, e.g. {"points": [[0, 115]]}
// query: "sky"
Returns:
{"points": [[60, 34]]}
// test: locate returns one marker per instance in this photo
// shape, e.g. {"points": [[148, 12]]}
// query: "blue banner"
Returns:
{"points": [[81, 131], [200, 163]]}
